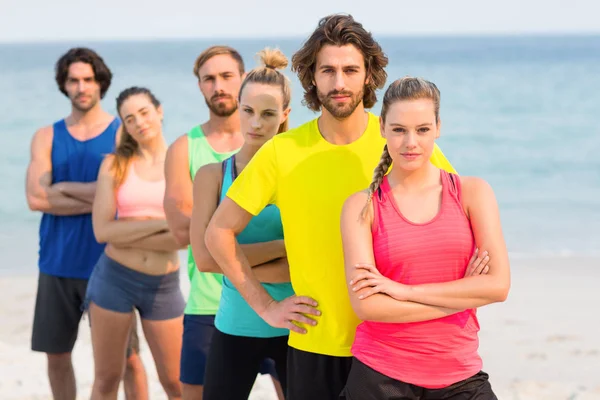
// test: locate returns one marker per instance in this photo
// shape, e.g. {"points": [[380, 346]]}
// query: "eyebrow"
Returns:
{"points": [[418, 126], [343, 66], [266, 109], [218, 73], [131, 115]]}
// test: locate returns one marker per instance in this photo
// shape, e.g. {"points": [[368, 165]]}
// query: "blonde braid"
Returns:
{"points": [[384, 164]]}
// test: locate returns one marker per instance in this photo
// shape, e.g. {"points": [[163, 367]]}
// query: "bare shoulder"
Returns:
{"points": [[355, 203], [475, 188], [43, 136], [209, 172], [107, 164], [179, 146]]}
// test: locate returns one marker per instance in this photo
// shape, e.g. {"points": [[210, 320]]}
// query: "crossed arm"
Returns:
{"points": [[62, 198], [150, 234], [377, 298], [267, 259]]}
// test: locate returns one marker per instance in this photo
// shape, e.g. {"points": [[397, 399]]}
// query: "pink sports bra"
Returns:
{"points": [[137, 197]]}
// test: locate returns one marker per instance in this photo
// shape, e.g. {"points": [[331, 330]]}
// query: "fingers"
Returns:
{"points": [[370, 292], [476, 262], [368, 267], [469, 270], [474, 256], [363, 275], [297, 313], [485, 270], [481, 263], [304, 300], [301, 318], [365, 283], [293, 327], [304, 309]]}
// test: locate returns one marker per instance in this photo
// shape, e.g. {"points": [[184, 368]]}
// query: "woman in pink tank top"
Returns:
{"points": [[423, 250], [139, 269]]}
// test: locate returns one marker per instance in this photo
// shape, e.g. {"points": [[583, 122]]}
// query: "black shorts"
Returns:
{"points": [[314, 376], [234, 361], [198, 331], [364, 383], [58, 311]]}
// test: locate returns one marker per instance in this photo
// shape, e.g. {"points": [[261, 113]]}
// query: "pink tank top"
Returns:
{"points": [[431, 354], [137, 197]]}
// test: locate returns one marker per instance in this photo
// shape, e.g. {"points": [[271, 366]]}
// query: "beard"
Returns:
{"points": [[222, 109], [84, 107], [340, 110]]}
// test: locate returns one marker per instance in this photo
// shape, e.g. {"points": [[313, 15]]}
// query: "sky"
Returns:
{"points": [[56, 20]]}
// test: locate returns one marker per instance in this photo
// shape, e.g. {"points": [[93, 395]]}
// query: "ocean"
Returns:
{"points": [[516, 111]]}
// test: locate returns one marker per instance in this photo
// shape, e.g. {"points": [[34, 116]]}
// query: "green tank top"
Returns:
{"points": [[205, 287]]}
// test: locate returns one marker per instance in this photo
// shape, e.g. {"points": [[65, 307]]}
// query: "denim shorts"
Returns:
{"points": [[116, 287]]}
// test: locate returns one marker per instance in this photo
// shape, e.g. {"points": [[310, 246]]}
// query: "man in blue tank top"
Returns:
{"points": [[65, 158]]}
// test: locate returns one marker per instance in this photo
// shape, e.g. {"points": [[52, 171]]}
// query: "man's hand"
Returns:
{"points": [[294, 309]]}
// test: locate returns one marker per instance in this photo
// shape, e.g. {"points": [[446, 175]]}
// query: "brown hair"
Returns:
{"points": [[216, 51], [102, 73], [272, 60], [340, 30], [127, 146], [407, 88]]}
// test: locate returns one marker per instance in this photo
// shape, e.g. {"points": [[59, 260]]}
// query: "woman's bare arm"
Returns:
{"points": [[206, 194], [357, 243], [479, 290], [106, 228]]}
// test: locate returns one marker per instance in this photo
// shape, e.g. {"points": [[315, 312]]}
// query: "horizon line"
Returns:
{"points": [[465, 35]]}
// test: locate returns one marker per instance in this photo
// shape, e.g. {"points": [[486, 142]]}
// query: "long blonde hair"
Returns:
{"points": [[407, 88], [272, 60]]}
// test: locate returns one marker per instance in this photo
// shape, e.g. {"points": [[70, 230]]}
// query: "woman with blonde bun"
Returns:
{"points": [[242, 339]]}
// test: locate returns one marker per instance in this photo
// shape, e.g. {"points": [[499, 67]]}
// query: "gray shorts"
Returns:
{"points": [[118, 288], [58, 311]]}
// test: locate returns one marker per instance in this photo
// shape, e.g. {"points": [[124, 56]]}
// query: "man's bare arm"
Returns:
{"points": [[78, 190], [178, 201], [41, 194]]}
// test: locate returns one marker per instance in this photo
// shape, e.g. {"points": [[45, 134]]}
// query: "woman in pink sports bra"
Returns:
{"points": [[139, 268], [423, 250]]}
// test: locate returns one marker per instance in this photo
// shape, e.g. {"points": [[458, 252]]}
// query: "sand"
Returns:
{"points": [[542, 343]]}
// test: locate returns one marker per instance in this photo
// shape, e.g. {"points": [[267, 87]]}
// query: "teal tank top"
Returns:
{"points": [[235, 316]]}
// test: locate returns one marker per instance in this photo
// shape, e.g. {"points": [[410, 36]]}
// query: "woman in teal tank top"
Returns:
{"points": [[242, 339]]}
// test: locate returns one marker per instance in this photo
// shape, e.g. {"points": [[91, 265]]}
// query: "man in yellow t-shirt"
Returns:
{"points": [[308, 172]]}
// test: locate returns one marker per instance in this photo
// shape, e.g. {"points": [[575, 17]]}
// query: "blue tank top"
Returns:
{"points": [[68, 247], [235, 316]]}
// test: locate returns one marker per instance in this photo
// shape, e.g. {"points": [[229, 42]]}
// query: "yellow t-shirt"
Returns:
{"points": [[309, 179]]}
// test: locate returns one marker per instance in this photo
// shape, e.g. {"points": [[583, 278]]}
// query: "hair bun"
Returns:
{"points": [[273, 58]]}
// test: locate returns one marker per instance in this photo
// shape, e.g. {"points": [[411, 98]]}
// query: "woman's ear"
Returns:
{"points": [[286, 114]]}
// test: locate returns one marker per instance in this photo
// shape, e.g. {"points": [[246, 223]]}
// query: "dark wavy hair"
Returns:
{"points": [[102, 73], [340, 30]]}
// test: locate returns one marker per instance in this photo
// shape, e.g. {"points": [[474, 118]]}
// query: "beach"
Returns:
{"points": [[542, 343], [508, 104]]}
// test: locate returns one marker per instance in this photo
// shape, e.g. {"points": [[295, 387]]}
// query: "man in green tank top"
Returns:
{"points": [[220, 71]]}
